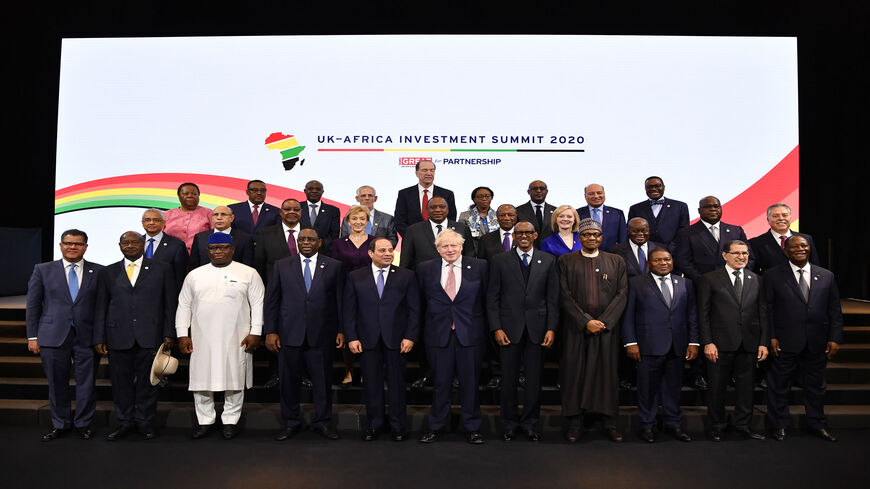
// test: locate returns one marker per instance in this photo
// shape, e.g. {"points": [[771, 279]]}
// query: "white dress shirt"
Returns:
{"points": [[457, 272], [312, 267], [137, 266]]}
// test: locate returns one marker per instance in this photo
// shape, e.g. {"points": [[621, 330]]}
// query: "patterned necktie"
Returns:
{"points": [[130, 268], [804, 286], [313, 216], [306, 274], [507, 241], [149, 251], [738, 286], [656, 206], [666, 292], [380, 283], [596, 215], [255, 214], [641, 259], [73, 282], [425, 210], [291, 242], [715, 231]]}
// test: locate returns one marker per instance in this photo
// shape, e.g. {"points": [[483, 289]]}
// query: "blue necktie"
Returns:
{"points": [[369, 227], [149, 251], [73, 282], [641, 259], [381, 282], [526, 259], [596, 215], [306, 274], [507, 241]]}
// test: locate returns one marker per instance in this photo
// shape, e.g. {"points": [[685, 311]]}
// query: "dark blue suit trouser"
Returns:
{"points": [[462, 362], [56, 363], [659, 377], [135, 398], [529, 355], [292, 362], [740, 366], [372, 363], [779, 378]]}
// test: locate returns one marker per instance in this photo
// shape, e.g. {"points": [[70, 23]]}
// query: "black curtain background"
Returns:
{"points": [[832, 58]]}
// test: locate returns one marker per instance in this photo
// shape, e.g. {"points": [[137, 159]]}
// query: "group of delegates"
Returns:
{"points": [[493, 287]]}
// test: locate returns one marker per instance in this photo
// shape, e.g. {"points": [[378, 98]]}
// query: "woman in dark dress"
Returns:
{"points": [[353, 251]]}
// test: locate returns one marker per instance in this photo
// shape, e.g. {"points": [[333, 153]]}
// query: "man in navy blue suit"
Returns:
{"points": [[61, 302], [136, 301], [806, 330], [660, 332], [612, 220], [455, 332], [637, 248], [163, 247], [665, 216], [325, 218], [254, 214], [412, 202], [381, 323], [699, 247], [222, 218], [301, 325], [769, 247]]}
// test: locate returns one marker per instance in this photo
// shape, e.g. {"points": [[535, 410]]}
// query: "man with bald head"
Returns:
{"points": [[222, 218], [637, 247], [537, 211], [412, 202], [612, 220], [699, 247], [325, 218]]}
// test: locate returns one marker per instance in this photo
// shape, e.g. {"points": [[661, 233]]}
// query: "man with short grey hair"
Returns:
{"points": [[381, 224], [769, 247], [163, 247]]}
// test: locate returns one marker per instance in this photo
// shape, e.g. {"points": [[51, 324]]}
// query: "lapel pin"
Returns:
{"points": [[748, 276], [668, 205], [597, 270], [676, 281], [321, 266], [165, 244], [539, 261], [146, 268], [91, 271], [392, 271], [816, 278]]}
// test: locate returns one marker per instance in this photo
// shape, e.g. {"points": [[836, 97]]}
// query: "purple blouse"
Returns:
{"points": [[352, 257], [185, 225]]}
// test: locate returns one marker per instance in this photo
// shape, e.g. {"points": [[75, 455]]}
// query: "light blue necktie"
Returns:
{"points": [[149, 251], [381, 282], [666, 292], [369, 227], [306, 274], [313, 213], [73, 282], [596, 215]]}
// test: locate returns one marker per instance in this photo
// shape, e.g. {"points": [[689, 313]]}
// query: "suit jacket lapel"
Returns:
{"points": [[725, 282], [707, 238], [679, 287], [658, 291]]}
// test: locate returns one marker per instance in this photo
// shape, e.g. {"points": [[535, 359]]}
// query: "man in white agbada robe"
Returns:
{"points": [[219, 322]]}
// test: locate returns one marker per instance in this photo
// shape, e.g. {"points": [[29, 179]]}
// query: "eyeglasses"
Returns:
{"points": [[73, 244], [152, 219], [219, 247], [590, 235], [524, 233], [738, 253]]}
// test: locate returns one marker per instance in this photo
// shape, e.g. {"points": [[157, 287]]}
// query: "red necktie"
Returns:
{"points": [[782, 241], [291, 242], [425, 210], [255, 214]]}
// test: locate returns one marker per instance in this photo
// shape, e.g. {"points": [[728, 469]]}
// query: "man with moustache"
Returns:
{"points": [[699, 248], [255, 214], [381, 322], [302, 325], [660, 332], [278, 241], [412, 203], [612, 220], [806, 330], [323, 217], [537, 211], [219, 322], [163, 247], [732, 313], [221, 219], [136, 301], [665, 216], [523, 312], [381, 224], [769, 247]]}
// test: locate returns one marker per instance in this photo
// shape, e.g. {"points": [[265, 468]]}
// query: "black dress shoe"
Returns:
{"points": [[715, 435], [229, 431], [306, 383], [428, 437], [147, 432], [613, 434], [824, 434], [120, 432], [54, 434], [532, 435], [647, 435], [420, 383], [625, 385], [509, 434], [272, 382], [288, 432], [85, 433], [455, 384], [521, 380], [762, 384], [398, 435], [700, 383], [573, 435], [200, 431], [327, 432], [749, 434], [494, 383], [370, 434], [474, 437], [778, 434], [679, 434]]}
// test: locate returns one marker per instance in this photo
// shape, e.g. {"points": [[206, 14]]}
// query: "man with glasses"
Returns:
{"points": [[537, 211], [61, 303], [163, 247], [665, 216], [412, 202], [255, 214]]}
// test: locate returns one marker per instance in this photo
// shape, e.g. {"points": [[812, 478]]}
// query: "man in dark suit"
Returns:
{"points": [[523, 311], [381, 322], [418, 242], [665, 216], [612, 220], [278, 241], [637, 248], [732, 315], [61, 302], [806, 330], [221, 218], [454, 287], [136, 301], [381, 224], [323, 217], [492, 244], [769, 248], [163, 247], [699, 247], [411, 203], [254, 214], [301, 316], [660, 332], [537, 211]]}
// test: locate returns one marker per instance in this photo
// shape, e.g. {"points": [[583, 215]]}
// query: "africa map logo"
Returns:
{"points": [[289, 148]]}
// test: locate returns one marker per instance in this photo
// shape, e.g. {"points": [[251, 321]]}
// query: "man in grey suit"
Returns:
{"points": [[381, 224]]}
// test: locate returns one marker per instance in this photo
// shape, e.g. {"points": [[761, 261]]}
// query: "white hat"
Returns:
{"points": [[164, 364]]}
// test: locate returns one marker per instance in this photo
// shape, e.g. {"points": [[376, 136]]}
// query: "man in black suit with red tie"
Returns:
{"points": [[412, 202], [278, 241], [665, 216], [381, 323], [523, 311], [732, 311], [769, 247], [806, 330], [301, 324], [254, 214]]}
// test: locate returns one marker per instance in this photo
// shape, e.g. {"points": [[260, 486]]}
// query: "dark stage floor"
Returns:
{"points": [[253, 460]]}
